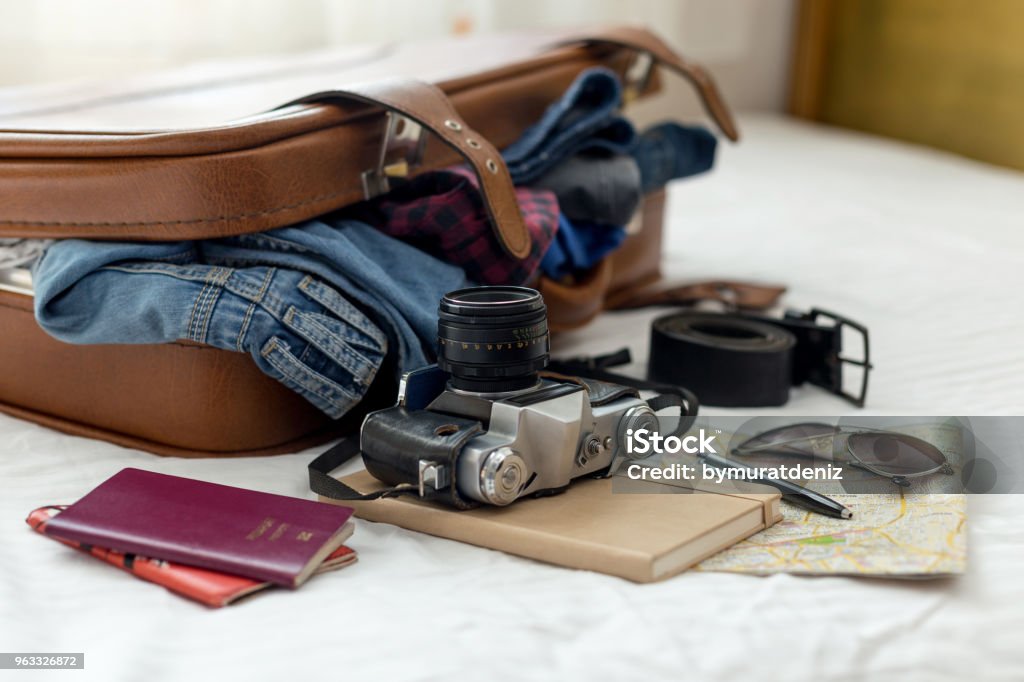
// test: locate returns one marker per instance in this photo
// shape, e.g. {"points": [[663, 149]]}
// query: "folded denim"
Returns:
{"points": [[442, 213], [584, 118], [582, 149], [669, 151], [590, 189], [606, 189], [317, 305], [595, 189], [579, 246]]}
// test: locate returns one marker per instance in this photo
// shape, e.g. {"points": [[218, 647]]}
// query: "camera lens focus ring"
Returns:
{"points": [[492, 339]]}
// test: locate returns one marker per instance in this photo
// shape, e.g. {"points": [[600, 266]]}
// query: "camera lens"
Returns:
{"points": [[492, 339]]}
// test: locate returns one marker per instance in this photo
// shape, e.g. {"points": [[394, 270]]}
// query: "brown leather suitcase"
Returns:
{"points": [[189, 175]]}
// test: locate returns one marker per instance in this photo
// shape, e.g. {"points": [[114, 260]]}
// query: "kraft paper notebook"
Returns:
{"points": [[640, 537]]}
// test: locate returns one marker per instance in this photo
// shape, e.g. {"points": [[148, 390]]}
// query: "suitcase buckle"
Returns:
{"points": [[401, 151], [637, 76]]}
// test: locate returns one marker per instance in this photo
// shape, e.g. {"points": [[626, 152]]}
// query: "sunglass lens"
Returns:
{"points": [[896, 454], [796, 439]]}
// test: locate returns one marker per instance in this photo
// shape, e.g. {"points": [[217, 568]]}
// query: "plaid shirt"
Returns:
{"points": [[442, 213]]}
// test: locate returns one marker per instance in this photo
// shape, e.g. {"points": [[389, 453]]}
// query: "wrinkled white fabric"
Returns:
{"points": [[21, 253], [926, 249]]}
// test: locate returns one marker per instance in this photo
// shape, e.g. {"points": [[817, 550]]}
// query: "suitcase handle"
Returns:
{"points": [[655, 49], [428, 106]]}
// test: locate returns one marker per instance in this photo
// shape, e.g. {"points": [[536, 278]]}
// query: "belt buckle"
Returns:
{"points": [[840, 322], [637, 76]]}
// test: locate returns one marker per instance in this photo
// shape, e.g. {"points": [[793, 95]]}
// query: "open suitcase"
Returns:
{"points": [[161, 164]]}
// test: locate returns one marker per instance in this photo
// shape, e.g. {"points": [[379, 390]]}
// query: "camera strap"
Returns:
{"points": [[668, 395], [322, 483], [435, 438]]}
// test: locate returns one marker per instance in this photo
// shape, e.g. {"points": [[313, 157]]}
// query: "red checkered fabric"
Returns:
{"points": [[442, 213]]}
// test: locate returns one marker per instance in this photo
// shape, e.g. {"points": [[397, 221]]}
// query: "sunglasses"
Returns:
{"points": [[896, 456]]}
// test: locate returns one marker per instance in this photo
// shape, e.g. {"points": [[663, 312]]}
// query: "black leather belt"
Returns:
{"points": [[727, 360], [746, 361]]}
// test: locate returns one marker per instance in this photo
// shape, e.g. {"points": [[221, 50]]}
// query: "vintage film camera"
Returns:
{"points": [[484, 425]]}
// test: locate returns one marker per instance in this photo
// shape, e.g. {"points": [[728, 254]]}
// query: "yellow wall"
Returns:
{"points": [[946, 73]]}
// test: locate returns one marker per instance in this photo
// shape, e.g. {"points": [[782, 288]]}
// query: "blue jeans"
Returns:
{"points": [[595, 189], [669, 151], [317, 305], [584, 118], [579, 246]]}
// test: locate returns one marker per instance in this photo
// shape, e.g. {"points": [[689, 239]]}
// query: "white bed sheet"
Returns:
{"points": [[925, 248]]}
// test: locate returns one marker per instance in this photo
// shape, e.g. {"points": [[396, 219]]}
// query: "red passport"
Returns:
{"points": [[248, 533]]}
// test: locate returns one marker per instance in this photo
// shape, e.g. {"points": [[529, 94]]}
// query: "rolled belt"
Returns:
{"points": [[727, 360], [734, 360]]}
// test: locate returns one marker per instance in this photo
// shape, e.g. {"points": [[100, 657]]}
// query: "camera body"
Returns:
{"points": [[483, 426], [534, 442]]}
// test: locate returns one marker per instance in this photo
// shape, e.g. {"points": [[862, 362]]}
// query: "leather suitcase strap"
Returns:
{"points": [[572, 306], [429, 106], [268, 171], [645, 42], [739, 295], [422, 102]]}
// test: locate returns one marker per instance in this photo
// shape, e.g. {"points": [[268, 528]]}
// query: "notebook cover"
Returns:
{"points": [[258, 535], [212, 588], [640, 537]]}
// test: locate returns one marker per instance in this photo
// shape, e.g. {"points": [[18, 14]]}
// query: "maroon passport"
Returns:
{"points": [[253, 534]]}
